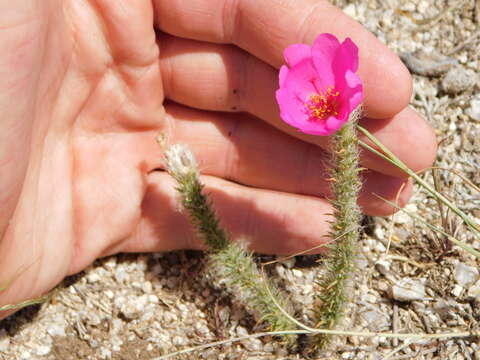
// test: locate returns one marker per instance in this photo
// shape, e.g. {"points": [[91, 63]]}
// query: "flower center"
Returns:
{"points": [[322, 105]]}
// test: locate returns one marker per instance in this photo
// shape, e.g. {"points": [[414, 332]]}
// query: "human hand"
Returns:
{"points": [[82, 100]]}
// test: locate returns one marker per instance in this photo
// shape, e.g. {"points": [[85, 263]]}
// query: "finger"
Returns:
{"points": [[127, 27], [257, 155], [266, 28], [232, 80], [272, 222]]}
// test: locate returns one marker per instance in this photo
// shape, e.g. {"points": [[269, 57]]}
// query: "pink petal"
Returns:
{"points": [[346, 59], [354, 90], [282, 75], [291, 108], [324, 49], [296, 53], [303, 80], [333, 123], [315, 128], [348, 51]]}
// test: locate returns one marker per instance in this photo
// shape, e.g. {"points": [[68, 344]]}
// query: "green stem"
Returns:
{"points": [[345, 186], [228, 261]]}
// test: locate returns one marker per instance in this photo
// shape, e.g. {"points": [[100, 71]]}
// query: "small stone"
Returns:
{"points": [[134, 307], [93, 343], [120, 275], [458, 79], [408, 290], [465, 275], [93, 278], [241, 331], [350, 10], [153, 299], [253, 344], [427, 63], [117, 326], [474, 291], [408, 6], [422, 6], [169, 317], [375, 320], [56, 329], [116, 344], [383, 267], [268, 348], [457, 290], [105, 353], [179, 341], [43, 350], [297, 273], [379, 232], [4, 341], [474, 110]]}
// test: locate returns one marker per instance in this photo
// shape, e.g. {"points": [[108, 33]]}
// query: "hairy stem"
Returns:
{"points": [[229, 262], [345, 228]]}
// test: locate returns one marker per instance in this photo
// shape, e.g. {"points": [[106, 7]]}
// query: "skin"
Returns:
{"points": [[87, 86]]}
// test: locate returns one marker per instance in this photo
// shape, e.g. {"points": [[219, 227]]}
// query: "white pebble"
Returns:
{"points": [[105, 353], [93, 278], [457, 290], [4, 341], [350, 10], [474, 291], [179, 341], [474, 110], [297, 273], [465, 275], [458, 79], [56, 330], [408, 290], [43, 350]]}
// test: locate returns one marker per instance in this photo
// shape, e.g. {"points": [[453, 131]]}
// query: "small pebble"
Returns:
{"points": [[134, 307], [56, 329], [458, 79], [297, 273], [408, 290], [457, 290], [474, 291], [350, 10], [105, 353], [4, 341], [25, 355], [465, 275], [474, 110], [43, 350], [427, 63], [179, 341]]}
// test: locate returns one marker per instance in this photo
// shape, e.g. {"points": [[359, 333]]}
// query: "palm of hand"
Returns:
{"points": [[96, 108]]}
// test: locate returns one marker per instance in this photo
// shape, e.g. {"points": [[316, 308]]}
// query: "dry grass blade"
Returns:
{"points": [[390, 157], [324, 332], [25, 303]]}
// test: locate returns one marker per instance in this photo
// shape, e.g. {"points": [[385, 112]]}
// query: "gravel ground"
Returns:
{"points": [[409, 279]]}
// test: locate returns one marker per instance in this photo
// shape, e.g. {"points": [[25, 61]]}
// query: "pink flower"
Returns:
{"points": [[319, 88]]}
